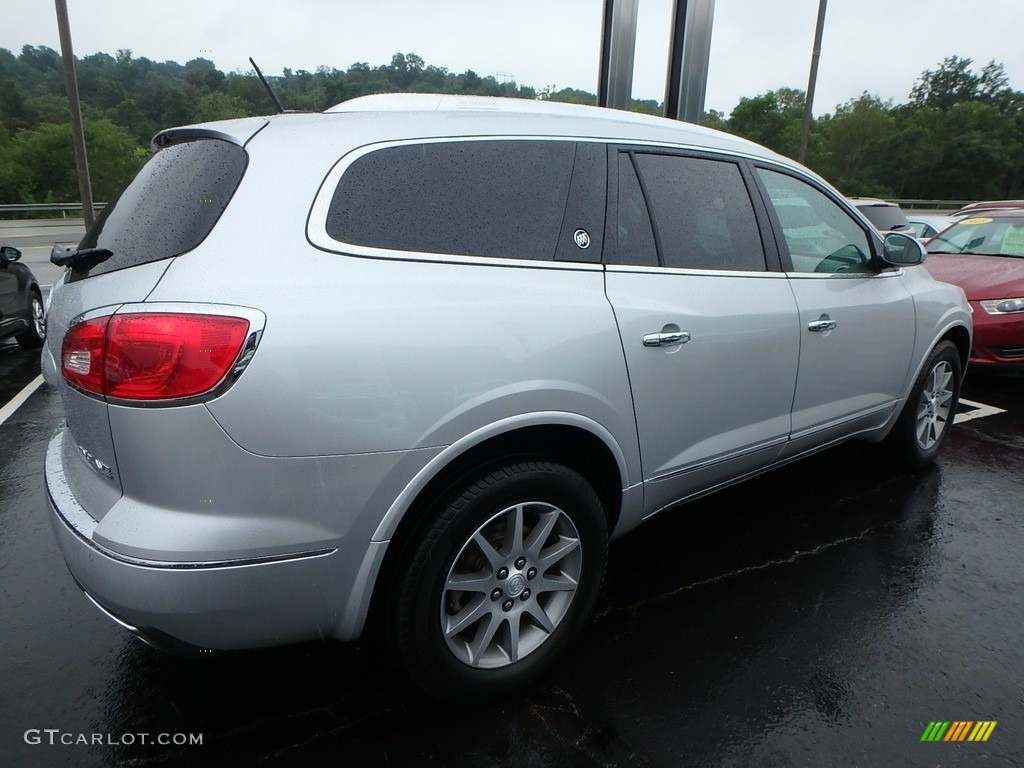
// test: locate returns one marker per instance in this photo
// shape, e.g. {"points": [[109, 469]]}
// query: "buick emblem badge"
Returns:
{"points": [[582, 238]]}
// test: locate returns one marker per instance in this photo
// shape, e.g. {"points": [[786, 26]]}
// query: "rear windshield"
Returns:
{"points": [[169, 207], [885, 217]]}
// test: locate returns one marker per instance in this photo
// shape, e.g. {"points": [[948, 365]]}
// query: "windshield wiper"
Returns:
{"points": [[80, 261]]}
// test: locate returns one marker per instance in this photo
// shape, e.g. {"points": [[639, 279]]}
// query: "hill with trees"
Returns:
{"points": [[959, 136]]}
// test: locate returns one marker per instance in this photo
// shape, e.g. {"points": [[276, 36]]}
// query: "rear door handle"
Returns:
{"points": [[666, 339], [824, 324]]}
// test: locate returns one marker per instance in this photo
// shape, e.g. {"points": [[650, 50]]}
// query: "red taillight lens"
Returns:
{"points": [[152, 356]]}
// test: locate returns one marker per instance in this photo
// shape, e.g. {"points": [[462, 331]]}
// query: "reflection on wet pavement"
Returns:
{"points": [[819, 615]]}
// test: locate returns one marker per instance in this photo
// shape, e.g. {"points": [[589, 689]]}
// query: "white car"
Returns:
{"points": [[928, 225]]}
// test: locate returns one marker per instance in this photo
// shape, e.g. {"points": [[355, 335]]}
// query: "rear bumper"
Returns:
{"points": [[213, 605]]}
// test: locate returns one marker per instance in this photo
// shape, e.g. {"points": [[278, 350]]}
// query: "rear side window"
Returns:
{"points": [[504, 199], [885, 217], [635, 237], [702, 213], [169, 207]]}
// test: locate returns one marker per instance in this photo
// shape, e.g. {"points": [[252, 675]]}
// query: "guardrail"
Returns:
{"points": [[929, 205], [33, 208]]}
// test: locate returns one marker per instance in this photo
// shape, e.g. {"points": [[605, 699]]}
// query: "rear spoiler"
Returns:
{"points": [[238, 132]]}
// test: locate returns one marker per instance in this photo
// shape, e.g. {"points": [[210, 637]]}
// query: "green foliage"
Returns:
{"points": [[38, 165], [220, 106], [961, 135], [954, 83], [772, 119]]}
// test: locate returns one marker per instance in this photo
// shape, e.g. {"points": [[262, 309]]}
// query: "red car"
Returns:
{"points": [[986, 205], [984, 255]]}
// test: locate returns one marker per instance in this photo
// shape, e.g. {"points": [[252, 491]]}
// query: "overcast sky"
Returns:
{"points": [[878, 46]]}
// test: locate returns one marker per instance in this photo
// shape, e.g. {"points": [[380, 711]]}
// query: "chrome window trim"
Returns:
{"points": [[636, 268], [316, 222], [844, 275]]}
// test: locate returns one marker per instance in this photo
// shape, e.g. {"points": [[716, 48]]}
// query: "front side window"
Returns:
{"points": [[502, 199], [703, 217], [820, 235]]}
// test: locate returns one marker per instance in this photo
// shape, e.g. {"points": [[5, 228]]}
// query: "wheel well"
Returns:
{"points": [[962, 339], [572, 447]]}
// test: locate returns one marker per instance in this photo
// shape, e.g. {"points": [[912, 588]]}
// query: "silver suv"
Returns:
{"points": [[417, 359]]}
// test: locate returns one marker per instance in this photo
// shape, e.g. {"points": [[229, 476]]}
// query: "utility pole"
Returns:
{"points": [[809, 102], [75, 108]]}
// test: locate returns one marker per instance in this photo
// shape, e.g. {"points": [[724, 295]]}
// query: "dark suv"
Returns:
{"points": [[21, 301]]}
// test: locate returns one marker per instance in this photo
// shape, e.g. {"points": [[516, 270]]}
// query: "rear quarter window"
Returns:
{"points": [[170, 206], [503, 199], [885, 217]]}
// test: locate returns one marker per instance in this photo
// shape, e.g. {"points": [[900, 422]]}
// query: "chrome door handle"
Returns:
{"points": [[666, 339], [821, 325]]}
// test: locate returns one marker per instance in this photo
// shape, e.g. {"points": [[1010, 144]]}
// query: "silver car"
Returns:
{"points": [[415, 360]]}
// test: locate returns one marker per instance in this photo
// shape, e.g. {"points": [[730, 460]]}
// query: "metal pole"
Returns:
{"points": [[688, 59], [809, 102], [618, 46], [75, 108]]}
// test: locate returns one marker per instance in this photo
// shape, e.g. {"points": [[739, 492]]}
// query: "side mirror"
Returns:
{"points": [[9, 253], [901, 250]]}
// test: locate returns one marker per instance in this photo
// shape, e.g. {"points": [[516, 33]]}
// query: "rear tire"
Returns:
{"points": [[928, 414], [500, 583]]}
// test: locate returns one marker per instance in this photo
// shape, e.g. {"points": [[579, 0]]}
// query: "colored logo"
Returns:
{"points": [[958, 730]]}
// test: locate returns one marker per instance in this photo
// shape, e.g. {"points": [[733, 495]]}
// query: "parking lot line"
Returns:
{"points": [[977, 411], [8, 410]]}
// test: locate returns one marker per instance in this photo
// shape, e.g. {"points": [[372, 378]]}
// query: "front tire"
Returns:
{"points": [[500, 583], [34, 337], [928, 414]]}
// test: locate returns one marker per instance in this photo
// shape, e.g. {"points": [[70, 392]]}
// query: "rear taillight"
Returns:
{"points": [[151, 355]]}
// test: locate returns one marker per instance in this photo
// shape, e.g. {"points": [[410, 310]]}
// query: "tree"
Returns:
{"points": [[38, 166], [202, 76], [859, 139], [220, 106], [954, 83], [773, 119]]}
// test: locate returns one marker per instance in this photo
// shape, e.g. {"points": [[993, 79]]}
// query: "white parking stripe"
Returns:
{"points": [[978, 410], [8, 410]]}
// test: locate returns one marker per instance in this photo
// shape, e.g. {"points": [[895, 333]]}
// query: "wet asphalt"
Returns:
{"points": [[821, 615]]}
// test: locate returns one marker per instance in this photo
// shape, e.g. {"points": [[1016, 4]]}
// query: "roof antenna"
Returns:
{"points": [[277, 101]]}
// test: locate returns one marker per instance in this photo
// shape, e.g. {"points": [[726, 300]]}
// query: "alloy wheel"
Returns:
{"points": [[38, 317], [510, 585], [933, 408]]}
